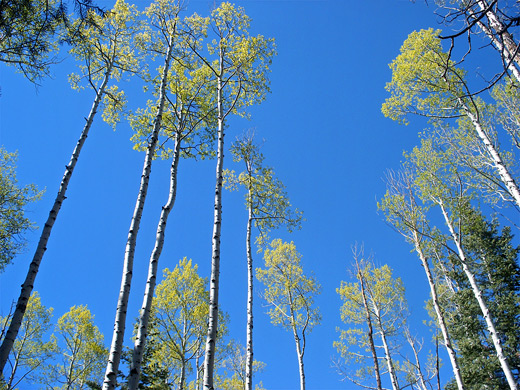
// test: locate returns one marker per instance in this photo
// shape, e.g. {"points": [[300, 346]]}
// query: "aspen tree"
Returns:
{"points": [[164, 16], [407, 216], [426, 82], [290, 294], [239, 69], [107, 52], [185, 120], [439, 183], [268, 208], [380, 297]]}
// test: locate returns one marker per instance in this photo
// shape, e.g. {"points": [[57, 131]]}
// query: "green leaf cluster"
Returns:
{"points": [[13, 203], [289, 292]]}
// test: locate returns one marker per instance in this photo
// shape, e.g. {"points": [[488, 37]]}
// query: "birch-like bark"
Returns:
{"points": [[370, 329], [440, 317], [482, 304], [209, 356], [506, 177], [300, 350], [300, 359], [182, 377], [137, 355], [249, 337], [388, 357], [28, 284], [509, 48], [126, 280]]}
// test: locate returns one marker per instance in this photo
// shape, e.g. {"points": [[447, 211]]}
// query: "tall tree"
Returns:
{"points": [[494, 261], [185, 120], [405, 213], [239, 71], [426, 82], [107, 53], [376, 301], [13, 202], [439, 182], [268, 207], [162, 40], [290, 294]]}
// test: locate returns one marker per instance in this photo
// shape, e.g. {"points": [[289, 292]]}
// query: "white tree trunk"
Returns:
{"points": [[388, 356], [505, 176], [140, 341], [28, 284], [126, 280], [440, 317], [249, 338], [370, 328], [482, 304], [299, 352], [509, 47], [209, 356]]}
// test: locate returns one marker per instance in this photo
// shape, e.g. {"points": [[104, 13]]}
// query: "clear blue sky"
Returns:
{"points": [[324, 135]]}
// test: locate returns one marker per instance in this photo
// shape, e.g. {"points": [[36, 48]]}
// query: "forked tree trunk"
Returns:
{"points": [[482, 304], [249, 339], [209, 356], [140, 341], [370, 329], [440, 317], [126, 280], [28, 284]]}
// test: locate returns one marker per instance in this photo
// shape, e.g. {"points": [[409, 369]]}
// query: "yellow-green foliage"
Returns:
{"points": [[289, 292], [387, 308], [82, 347], [424, 80], [179, 319]]}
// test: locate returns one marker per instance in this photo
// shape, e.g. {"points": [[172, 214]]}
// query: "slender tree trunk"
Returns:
{"points": [[249, 341], [420, 376], [28, 284], [137, 355], [209, 357], [506, 177], [198, 369], [391, 372], [370, 329], [126, 280], [300, 359], [440, 317], [437, 363], [300, 350], [482, 304], [388, 356], [13, 371]]}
